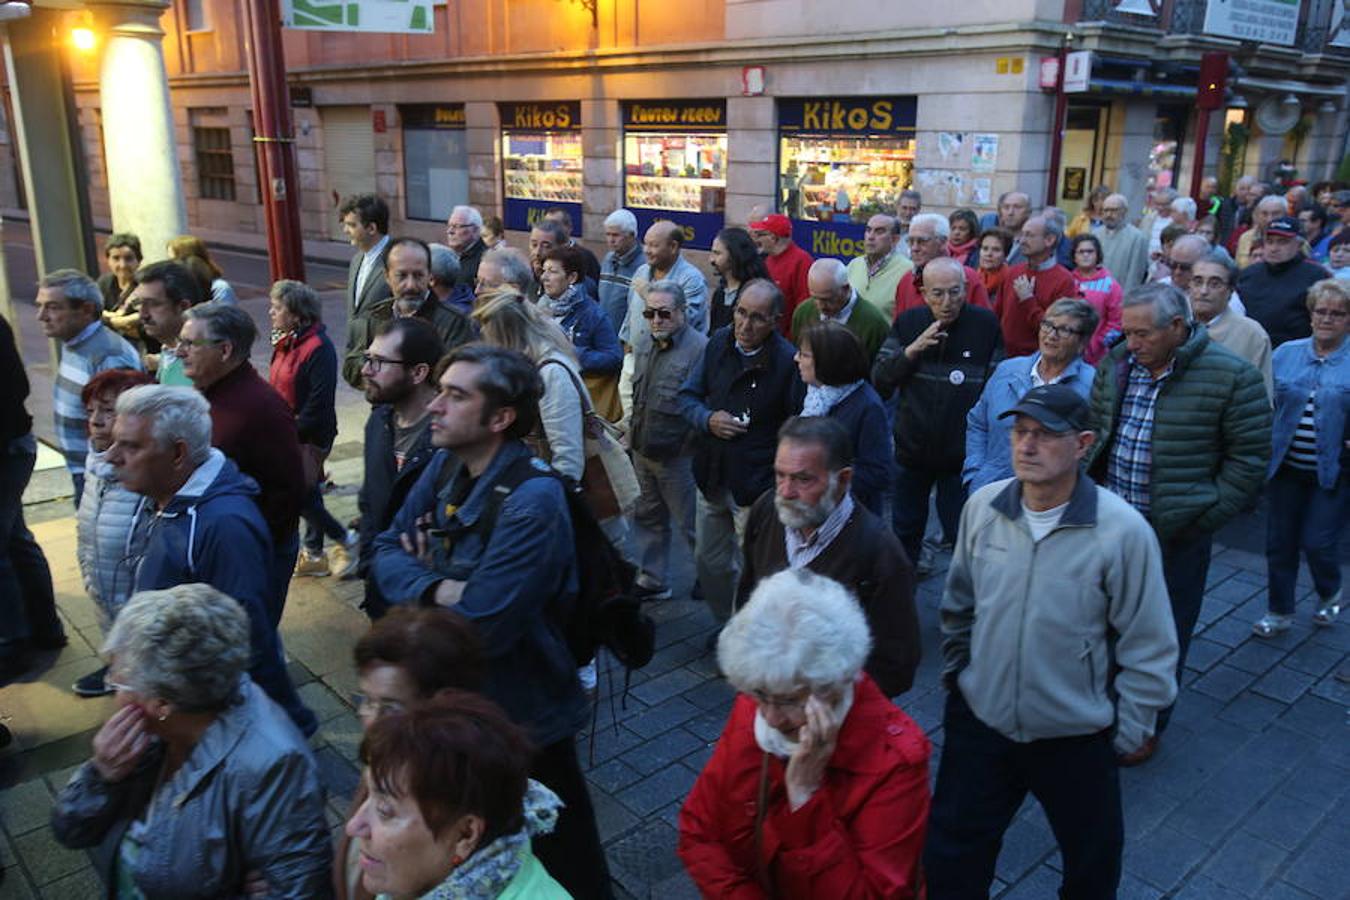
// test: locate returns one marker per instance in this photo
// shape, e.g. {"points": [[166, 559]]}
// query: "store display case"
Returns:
{"points": [[674, 162], [849, 179], [541, 161]]}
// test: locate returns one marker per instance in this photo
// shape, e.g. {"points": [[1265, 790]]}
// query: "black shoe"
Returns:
{"points": [[14, 666], [93, 684], [6, 738], [45, 643], [644, 594]]}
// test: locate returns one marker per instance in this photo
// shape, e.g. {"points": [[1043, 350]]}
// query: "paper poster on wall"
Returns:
{"points": [[949, 145], [984, 153], [940, 187], [981, 191]]}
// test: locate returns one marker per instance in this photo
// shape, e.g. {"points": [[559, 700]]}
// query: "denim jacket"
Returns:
{"points": [[1298, 370], [521, 584]]}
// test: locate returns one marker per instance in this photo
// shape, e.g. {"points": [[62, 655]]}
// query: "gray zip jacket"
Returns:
{"points": [[247, 798], [102, 530], [1067, 636]]}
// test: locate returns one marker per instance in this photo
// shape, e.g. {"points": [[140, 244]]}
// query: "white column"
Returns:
{"points": [[145, 185]]}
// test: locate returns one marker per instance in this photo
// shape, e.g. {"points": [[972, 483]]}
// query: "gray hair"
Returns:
{"points": [[836, 270], [1054, 212], [75, 286], [672, 289], [188, 644], [1078, 309], [1220, 257], [1184, 205], [1274, 200], [799, 629], [1168, 302], [175, 414], [514, 267], [1125, 201], [226, 322], [555, 228], [941, 227], [1330, 289], [471, 215], [1191, 240], [1167, 192], [1052, 224], [299, 299], [623, 220], [445, 266]]}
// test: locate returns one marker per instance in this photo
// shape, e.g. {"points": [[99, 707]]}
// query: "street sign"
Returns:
{"points": [[391, 16], [1077, 71]]}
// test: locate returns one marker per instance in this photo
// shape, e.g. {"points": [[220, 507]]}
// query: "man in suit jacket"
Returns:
{"points": [[365, 221]]}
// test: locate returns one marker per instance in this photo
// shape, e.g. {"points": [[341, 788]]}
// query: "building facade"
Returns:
{"points": [[708, 110]]}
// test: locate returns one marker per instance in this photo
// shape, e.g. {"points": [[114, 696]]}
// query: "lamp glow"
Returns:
{"points": [[83, 38]]}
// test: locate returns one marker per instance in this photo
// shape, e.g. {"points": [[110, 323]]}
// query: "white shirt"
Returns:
{"points": [[1042, 523], [368, 262]]}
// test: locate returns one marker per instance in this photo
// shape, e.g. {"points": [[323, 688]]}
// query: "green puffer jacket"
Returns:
{"points": [[1211, 434]]}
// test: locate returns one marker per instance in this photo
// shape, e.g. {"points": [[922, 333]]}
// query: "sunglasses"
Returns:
{"points": [[663, 314]]}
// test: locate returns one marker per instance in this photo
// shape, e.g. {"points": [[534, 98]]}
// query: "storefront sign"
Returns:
{"points": [[521, 215], [699, 228], [449, 117], [848, 116], [1267, 21], [1077, 71], [382, 16], [562, 116], [675, 116], [841, 240]]}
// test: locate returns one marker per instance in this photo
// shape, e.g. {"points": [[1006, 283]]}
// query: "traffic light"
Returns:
{"points": [[1210, 90]]}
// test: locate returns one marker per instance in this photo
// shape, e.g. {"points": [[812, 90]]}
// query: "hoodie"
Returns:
{"points": [[212, 532]]}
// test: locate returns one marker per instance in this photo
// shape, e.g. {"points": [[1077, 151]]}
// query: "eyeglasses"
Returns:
{"points": [[786, 704], [1037, 435], [1329, 314], [1059, 330], [184, 345], [1176, 265], [753, 317], [663, 314], [376, 363], [920, 238], [369, 708], [1212, 284], [453, 227]]}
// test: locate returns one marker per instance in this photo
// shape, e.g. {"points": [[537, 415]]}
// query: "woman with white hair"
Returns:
{"points": [[199, 785], [819, 784]]}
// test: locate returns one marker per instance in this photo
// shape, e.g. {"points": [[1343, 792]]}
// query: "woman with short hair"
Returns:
{"points": [[818, 786], [450, 810], [588, 328], [1101, 289], [834, 368], [995, 245], [963, 241], [199, 785]]}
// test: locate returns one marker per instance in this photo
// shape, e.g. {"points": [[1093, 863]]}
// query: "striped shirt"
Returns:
{"points": [[1131, 460], [95, 349], [1303, 451]]}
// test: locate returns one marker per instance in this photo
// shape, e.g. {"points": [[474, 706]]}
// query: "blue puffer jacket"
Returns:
{"points": [[212, 532], [102, 530]]}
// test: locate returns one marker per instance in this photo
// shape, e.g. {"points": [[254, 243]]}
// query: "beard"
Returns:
{"points": [[799, 514], [390, 393]]}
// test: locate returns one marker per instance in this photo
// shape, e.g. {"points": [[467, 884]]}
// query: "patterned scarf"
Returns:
{"points": [[821, 398]]}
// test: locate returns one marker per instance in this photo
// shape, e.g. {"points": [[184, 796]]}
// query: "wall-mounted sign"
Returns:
{"points": [[849, 116], [386, 16], [674, 115], [561, 116], [1266, 21], [446, 117], [1077, 71]]}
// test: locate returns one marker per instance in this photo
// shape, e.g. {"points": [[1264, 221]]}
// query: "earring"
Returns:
{"points": [[164, 715], [455, 861]]}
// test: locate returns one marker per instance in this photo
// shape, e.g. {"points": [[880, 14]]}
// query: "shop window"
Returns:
{"points": [[194, 15], [435, 160], [215, 163], [541, 161]]}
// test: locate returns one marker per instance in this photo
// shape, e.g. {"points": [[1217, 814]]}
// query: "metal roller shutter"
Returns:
{"points": [[348, 154]]}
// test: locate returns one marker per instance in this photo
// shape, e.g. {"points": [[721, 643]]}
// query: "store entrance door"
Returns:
{"points": [[1084, 135], [348, 157]]}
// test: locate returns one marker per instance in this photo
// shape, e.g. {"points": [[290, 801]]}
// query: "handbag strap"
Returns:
{"points": [[761, 808], [586, 409]]}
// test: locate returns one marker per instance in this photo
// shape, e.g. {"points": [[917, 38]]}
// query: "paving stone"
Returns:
{"points": [[644, 857], [1251, 711], [1223, 682], [609, 742], [1314, 716], [1132, 888], [699, 758], [663, 687], [612, 818], [1026, 843], [1314, 658], [1164, 857], [670, 658], [26, 806], [1279, 746], [1202, 888], [1210, 814], [1255, 657], [1041, 883], [654, 721], [1203, 654], [677, 887], [16, 885], [1284, 820], [613, 775], [321, 699], [672, 632], [662, 751], [1228, 631], [713, 693], [1319, 869], [1143, 807], [1280, 890], [338, 776], [1316, 783], [709, 725], [1232, 591], [1336, 637], [1284, 684], [1245, 863], [1329, 687], [657, 789], [45, 859]]}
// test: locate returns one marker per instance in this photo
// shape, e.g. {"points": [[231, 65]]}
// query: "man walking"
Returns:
{"points": [[1058, 581], [1183, 436], [833, 299], [516, 582], [70, 310], [1275, 290], [619, 265], [810, 520], [661, 247]]}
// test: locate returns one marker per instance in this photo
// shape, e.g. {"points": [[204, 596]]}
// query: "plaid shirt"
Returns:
{"points": [[93, 350], [1127, 471]]}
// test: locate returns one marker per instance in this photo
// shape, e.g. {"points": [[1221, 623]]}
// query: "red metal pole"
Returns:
{"points": [[274, 135], [1198, 164], [1057, 132]]}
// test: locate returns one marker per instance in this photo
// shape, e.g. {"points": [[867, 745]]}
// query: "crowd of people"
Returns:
{"points": [[1084, 404]]}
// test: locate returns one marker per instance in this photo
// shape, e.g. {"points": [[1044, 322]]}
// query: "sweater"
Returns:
{"points": [[1124, 253], [1104, 294], [865, 321], [1021, 319], [1211, 435], [909, 296], [1247, 339], [788, 270], [879, 289], [95, 349], [1275, 296], [865, 557]]}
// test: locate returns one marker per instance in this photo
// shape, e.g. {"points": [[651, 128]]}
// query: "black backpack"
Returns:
{"points": [[606, 613]]}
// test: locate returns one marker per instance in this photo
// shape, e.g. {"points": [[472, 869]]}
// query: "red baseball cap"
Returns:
{"points": [[774, 223]]}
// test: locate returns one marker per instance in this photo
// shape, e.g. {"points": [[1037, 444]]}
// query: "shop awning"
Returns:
{"points": [[1141, 89]]}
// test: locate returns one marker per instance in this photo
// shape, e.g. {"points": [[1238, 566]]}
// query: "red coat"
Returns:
{"points": [[908, 296], [1021, 319], [860, 835], [788, 270]]}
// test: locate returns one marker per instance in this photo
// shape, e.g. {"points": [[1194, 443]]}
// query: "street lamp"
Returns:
{"points": [[83, 38]]}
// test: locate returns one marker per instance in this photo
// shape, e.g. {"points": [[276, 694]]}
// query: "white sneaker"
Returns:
{"points": [[346, 556], [311, 565]]}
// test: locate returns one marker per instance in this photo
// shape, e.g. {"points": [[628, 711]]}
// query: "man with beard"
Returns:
{"points": [[810, 521], [399, 378]]}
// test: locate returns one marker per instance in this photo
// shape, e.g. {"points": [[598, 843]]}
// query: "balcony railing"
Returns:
{"points": [[1188, 17]]}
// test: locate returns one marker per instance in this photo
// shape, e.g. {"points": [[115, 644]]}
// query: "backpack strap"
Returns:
{"points": [[510, 478]]}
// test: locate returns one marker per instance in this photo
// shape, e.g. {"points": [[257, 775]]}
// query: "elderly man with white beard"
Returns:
{"points": [[810, 521]]}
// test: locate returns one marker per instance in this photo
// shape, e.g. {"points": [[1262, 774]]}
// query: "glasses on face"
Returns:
{"points": [[1199, 282], [794, 704], [1059, 331], [1176, 265], [184, 344], [376, 363], [370, 708], [1333, 314], [753, 318], [455, 227], [653, 313], [920, 238]]}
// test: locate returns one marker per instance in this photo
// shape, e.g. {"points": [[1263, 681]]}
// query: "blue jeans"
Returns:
{"points": [[909, 514], [1303, 516], [667, 499], [1185, 569], [27, 602], [319, 522], [983, 779]]}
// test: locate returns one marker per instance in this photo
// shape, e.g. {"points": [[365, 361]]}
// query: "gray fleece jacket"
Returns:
{"points": [[1066, 636]]}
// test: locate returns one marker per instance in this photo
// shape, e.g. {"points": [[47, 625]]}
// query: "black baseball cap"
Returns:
{"points": [[1056, 406], [1287, 226]]}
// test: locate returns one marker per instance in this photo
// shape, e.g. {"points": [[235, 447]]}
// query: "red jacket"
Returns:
{"points": [[1021, 319], [788, 270], [860, 835], [908, 296]]}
